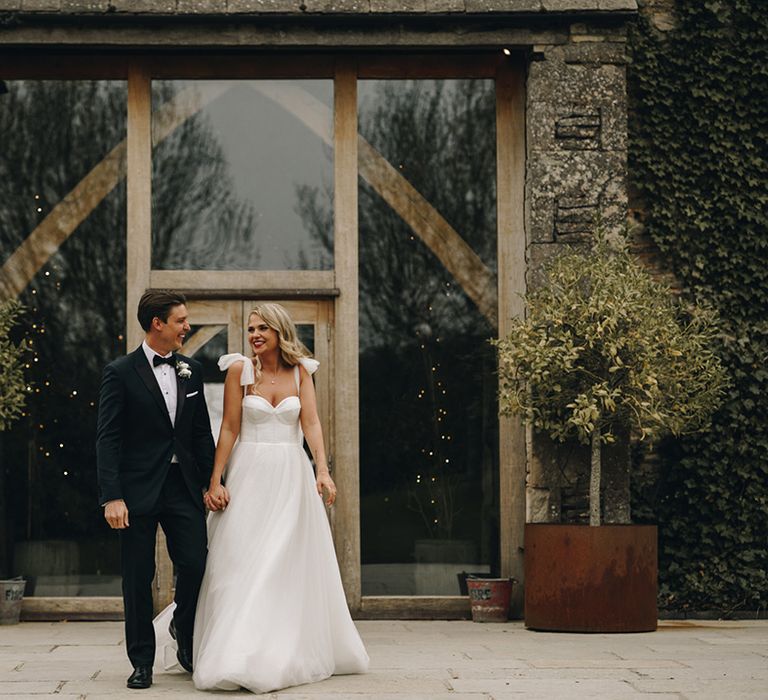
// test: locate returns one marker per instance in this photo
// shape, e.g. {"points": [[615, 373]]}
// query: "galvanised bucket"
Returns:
{"points": [[489, 598], [11, 595]]}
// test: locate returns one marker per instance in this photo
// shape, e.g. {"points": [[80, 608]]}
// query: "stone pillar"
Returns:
{"points": [[576, 175]]}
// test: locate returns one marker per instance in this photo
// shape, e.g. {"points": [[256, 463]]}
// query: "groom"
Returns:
{"points": [[154, 453]]}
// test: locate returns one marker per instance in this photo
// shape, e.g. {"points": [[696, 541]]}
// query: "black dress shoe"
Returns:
{"points": [[140, 678], [183, 647]]}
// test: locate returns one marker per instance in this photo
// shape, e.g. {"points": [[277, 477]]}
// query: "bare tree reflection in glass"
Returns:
{"points": [[428, 425], [198, 220], [53, 134]]}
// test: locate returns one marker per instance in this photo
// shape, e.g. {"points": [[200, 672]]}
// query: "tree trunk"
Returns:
{"points": [[594, 480]]}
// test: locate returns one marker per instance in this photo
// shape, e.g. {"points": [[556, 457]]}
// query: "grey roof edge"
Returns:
{"points": [[311, 8]]}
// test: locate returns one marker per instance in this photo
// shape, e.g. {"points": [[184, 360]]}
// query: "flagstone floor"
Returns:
{"points": [[433, 659]]}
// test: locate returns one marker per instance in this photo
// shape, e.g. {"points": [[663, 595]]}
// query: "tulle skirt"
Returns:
{"points": [[271, 612]]}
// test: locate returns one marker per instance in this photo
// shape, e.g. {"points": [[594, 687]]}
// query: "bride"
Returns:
{"points": [[271, 611]]}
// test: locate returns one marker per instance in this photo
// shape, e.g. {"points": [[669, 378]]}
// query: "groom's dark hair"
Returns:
{"points": [[157, 302]]}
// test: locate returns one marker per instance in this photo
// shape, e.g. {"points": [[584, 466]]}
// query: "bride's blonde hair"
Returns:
{"points": [[278, 319]]}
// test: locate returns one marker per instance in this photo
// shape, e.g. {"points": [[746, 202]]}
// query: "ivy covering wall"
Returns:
{"points": [[699, 166]]}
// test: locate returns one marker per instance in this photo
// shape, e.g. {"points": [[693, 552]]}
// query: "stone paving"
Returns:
{"points": [[436, 659]]}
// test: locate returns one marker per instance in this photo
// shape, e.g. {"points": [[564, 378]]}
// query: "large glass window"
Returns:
{"points": [[427, 270], [62, 237], [236, 168]]}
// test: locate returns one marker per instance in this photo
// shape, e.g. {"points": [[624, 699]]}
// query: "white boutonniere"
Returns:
{"points": [[183, 370]]}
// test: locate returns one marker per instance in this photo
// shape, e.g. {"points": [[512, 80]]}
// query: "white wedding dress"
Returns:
{"points": [[271, 612]]}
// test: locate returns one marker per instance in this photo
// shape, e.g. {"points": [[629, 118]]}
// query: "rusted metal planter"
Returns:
{"points": [[591, 579]]}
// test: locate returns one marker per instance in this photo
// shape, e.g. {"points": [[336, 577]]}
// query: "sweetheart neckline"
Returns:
{"points": [[266, 401]]}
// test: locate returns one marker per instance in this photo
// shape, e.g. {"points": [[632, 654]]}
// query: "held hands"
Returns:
{"points": [[216, 497], [324, 481], [116, 514]]}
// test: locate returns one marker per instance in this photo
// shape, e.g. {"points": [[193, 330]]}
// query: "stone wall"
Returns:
{"points": [[661, 13]]}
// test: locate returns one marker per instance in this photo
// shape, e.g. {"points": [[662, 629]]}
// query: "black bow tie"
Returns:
{"points": [[159, 360]]}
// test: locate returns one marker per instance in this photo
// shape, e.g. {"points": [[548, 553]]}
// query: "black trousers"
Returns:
{"points": [[184, 527]]}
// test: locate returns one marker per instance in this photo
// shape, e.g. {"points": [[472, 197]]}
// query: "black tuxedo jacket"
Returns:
{"points": [[135, 439]]}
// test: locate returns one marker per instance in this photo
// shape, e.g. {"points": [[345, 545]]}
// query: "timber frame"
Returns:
{"points": [[338, 286]]}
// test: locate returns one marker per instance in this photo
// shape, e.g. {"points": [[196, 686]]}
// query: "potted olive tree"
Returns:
{"points": [[604, 351], [12, 395]]}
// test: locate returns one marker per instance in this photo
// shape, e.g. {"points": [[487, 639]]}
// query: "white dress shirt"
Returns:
{"points": [[166, 380]]}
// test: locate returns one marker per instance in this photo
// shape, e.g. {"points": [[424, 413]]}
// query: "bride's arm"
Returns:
{"points": [[217, 496], [313, 432]]}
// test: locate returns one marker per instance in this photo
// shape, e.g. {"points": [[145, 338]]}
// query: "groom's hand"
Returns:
{"points": [[116, 514]]}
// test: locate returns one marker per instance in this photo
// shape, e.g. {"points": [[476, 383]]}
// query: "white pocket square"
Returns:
{"points": [[194, 393]]}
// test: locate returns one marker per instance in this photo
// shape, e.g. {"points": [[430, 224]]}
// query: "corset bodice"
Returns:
{"points": [[262, 422]]}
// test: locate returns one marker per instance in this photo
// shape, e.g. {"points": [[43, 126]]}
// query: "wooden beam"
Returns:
{"points": [[250, 283], [326, 381], [44, 241], [245, 65], [240, 66], [49, 608], [62, 65], [201, 338], [458, 258], [139, 249], [139, 196], [510, 164], [414, 608], [346, 516], [420, 66], [260, 293]]}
